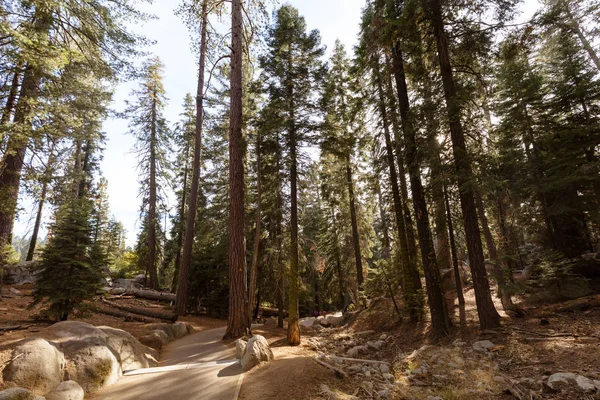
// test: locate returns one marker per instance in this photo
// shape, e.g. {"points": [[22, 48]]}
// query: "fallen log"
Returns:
{"points": [[267, 312], [338, 372], [358, 360], [580, 304], [154, 295], [121, 314], [165, 315], [13, 328]]}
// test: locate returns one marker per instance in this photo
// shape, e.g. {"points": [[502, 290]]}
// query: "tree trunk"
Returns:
{"points": [[293, 335], [166, 315], [412, 282], [488, 316], [354, 222], [338, 261], [237, 321], [279, 239], [577, 28], [9, 107], [501, 273], [12, 164], [410, 232], [38, 219], [152, 225], [184, 269], [440, 322], [182, 216], [457, 276], [257, 234]]}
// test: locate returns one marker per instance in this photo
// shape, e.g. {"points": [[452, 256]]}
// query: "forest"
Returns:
{"points": [[455, 147]]}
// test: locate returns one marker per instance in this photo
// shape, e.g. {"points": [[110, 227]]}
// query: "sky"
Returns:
{"points": [[335, 19]]}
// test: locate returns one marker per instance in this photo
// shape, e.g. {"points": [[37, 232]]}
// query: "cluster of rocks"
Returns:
{"points": [[121, 286], [20, 274], [70, 359], [163, 333], [253, 352], [345, 352], [314, 325]]}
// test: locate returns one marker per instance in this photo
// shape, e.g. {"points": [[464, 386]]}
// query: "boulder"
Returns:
{"points": [[561, 379], [19, 394], [139, 279], [335, 321], [36, 365], [585, 384], [91, 363], [67, 390], [131, 353], [355, 351], [69, 331], [20, 274], [164, 327], [180, 329], [483, 345], [257, 351], [240, 348], [154, 340]]}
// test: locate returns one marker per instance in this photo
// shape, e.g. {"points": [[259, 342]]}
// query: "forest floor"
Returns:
{"points": [[523, 353]]}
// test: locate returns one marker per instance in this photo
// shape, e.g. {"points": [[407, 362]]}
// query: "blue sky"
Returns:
{"points": [[335, 19]]}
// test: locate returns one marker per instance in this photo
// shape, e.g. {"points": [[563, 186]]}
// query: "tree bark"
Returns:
{"points": [[152, 225], [12, 164], [293, 334], [237, 321], [410, 232], [9, 107], [184, 269], [338, 262], [257, 234], [488, 316], [354, 222], [457, 276], [38, 219], [182, 216], [440, 322], [412, 282], [501, 272], [579, 32], [166, 315]]}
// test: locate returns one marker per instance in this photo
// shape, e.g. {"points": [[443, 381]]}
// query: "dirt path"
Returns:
{"points": [[198, 366]]}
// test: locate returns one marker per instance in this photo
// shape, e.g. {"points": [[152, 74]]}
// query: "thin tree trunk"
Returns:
{"points": [[354, 222], [500, 271], [386, 247], [182, 216], [412, 282], [9, 107], [338, 261], [184, 269], [38, 219], [440, 322], [410, 232], [279, 239], [257, 234], [237, 321], [457, 276], [488, 316], [577, 28]]}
